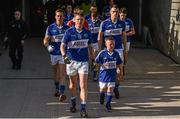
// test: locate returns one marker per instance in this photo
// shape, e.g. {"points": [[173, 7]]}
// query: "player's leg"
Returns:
{"points": [[72, 73], [73, 90], [83, 76], [102, 91], [61, 73], [110, 88], [95, 70], [116, 88]]}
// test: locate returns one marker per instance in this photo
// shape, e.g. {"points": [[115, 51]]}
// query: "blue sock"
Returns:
{"points": [[62, 89], [56, 83], [83, 105], [108, 98], [73, 101]]}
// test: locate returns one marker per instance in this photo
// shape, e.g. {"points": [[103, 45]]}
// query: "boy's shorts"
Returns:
{"points": [[56, 59], [77, 67], [103, 85]]}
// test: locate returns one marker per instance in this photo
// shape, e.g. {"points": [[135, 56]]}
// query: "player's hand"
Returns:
{"points": [[50, 48], [67, 60]]}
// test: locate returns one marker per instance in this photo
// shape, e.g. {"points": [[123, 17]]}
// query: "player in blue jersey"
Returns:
{"points": [[106, 9], [109, 60], [116, 28], [130, 31], [68, 15], [94, 25], [75, 49], [52, 41]]}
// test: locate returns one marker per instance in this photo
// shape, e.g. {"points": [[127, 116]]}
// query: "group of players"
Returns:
{"points": [[76, 43]]}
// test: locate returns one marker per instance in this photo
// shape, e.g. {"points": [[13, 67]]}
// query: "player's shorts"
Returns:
{"points": [[95, 46], [77, 67], [121, 54], [128, 46], [103, 85], [56, 59]]}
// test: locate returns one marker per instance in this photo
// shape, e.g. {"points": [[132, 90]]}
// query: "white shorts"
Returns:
{"points": [[56, 59], [128, 46], [103, 85], [77, 67], [121, 54], [95, 46]]}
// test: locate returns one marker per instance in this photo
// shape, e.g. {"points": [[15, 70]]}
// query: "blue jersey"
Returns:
{"points": [[56, 34], [108, 65], [129, 26], [94, 28], [106, 11], [88, 16], [68, 17], [77, 44], [114, 30]]}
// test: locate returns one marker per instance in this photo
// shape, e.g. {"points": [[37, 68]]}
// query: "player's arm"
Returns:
{"points": [[132, 32], [62, 48], [124, 39], [46, 40], [100, 39]]}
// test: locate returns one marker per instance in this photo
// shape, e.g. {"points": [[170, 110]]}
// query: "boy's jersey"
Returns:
{"points": [[94, 28], [129, 26], [68, 17], [77, 44], [108, 64], [56, 34], [114, 30]]}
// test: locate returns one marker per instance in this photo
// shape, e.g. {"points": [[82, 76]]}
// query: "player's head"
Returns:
{"points": [[59, 15], [17, 14], [93, 9], [69, 9], [123, 13], [110, 43], [79, 20], [114, 12]]}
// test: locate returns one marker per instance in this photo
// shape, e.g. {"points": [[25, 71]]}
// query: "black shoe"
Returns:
{"points": [[83, 114], [62, 97], [18, 67], [116, 93], [13, 66], [102, 99], [73, 109], [56, 94], [108, 107]]}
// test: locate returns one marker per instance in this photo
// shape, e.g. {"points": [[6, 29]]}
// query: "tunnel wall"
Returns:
{"points": [[164, 26]]}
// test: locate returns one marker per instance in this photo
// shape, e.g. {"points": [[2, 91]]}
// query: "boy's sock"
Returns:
{"points": [[102, 96], [73, 101], [83, 105], [108, 100]]}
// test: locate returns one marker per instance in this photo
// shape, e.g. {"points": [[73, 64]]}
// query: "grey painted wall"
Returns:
{"points": [[164, 26]]}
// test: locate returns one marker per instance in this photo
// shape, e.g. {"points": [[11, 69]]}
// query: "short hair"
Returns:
{"points": [[115, 6], [123, 10], [109, 39], [59, 10]]}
